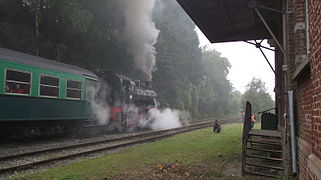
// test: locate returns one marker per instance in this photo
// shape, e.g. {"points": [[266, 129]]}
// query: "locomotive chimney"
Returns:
{"points": [[137, 82], [148, 85]]}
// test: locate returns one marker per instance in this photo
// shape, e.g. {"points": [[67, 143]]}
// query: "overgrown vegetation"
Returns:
{"points": [[196, 155]]}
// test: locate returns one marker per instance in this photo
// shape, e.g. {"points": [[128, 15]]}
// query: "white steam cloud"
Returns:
{"points": [[157, 119], [97, 98], [141, 34], [166, 119]]}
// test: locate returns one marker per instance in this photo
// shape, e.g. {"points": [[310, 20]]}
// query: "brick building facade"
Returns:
{"points": [[304, 77], [294, 26]]}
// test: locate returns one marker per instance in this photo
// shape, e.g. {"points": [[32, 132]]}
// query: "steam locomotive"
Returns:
{"points": [[40, 96], [129, 101]]}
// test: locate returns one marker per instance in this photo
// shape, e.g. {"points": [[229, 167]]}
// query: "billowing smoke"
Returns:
{"points": [[97, 98], [154, 119], [141, 34], [164, 119]]}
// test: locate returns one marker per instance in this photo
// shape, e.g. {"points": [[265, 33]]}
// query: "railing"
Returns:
{"points": [[246, 129], [266, 110]]}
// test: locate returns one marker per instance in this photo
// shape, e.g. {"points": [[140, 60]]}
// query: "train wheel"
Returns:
{"points": [[124, 119]]}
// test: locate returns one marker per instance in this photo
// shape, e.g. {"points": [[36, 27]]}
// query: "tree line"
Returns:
{"points": [[89, 34]]}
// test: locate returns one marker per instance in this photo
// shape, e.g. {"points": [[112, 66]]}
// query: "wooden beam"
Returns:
{"points": [[252, 18], [269, 29], [227, 17]]}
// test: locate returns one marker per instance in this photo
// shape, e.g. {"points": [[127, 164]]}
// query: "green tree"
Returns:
{"points": [[84, 33], [215, 70], [235, 102], [178, 65], [256, 93], [42, 27]]}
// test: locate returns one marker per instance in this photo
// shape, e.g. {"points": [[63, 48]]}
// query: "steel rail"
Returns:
{"points": [[95, 142], [112, 147]]}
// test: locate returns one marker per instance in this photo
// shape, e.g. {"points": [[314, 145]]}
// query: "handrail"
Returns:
{"points": [[266, 110]]}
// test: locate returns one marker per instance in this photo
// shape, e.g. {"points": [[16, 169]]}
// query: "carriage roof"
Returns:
{"points": [[22, 58]]}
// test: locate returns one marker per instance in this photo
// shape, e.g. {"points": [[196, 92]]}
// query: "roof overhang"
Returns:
{"points": [[234, 20]]}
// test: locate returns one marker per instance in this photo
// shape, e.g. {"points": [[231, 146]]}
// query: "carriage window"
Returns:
{"points": [[49, 86], [73, 89], [17, 82]]}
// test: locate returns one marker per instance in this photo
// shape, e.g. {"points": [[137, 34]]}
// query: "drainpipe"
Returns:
{"points": [[293, 135], [307, 28]]}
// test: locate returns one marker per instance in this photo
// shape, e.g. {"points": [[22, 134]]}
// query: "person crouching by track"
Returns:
{"points": [[217, 127]]}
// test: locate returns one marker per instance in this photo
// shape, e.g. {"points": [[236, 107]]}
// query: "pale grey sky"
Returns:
{"points": [[247, 62]]}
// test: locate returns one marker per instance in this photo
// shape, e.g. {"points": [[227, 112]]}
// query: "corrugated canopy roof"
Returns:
{"points": [[234, 20]]}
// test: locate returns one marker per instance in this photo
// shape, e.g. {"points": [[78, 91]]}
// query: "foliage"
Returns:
{"points": [[234, 103], [177, 56], [188, 77], [84, 33], [215, 83], [256, 93]]}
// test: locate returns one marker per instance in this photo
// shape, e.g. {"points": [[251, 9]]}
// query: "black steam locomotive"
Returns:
{"points": [[129, 101]]}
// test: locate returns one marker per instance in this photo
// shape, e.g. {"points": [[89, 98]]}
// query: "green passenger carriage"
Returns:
{"points": [[34, 89]]}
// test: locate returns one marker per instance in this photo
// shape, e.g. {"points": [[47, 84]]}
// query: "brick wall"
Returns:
{"points": [[308, 85], [315, 56], [304, 115], [299, 30], [304, 108], [305, 149]]}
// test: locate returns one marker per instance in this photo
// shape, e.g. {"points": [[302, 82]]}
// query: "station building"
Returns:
{"points": [[293, 28]]}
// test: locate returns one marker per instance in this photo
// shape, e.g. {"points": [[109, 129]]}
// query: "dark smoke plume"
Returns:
{"points": [[141, 34]]}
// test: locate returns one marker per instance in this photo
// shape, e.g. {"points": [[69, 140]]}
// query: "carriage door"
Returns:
{"points": [[92, 90]]}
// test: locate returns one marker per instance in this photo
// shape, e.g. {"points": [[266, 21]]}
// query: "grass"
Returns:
{"points": [[196, 155]]}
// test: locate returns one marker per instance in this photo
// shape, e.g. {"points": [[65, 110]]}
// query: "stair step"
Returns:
{"points": [[260, 174], [264, 146], [265, 150], [265, 142], [271, 139], [265, 133], [265, 166], [265, 158], [90, 125]]}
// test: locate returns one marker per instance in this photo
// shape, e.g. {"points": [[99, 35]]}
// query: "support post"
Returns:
{"points": [[269, 29], [246, 129]]}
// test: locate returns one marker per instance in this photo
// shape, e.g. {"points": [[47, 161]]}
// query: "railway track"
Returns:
{"points": [[34, 159]]}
